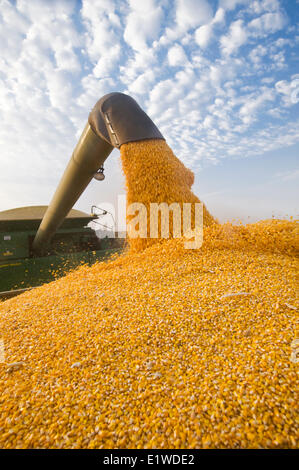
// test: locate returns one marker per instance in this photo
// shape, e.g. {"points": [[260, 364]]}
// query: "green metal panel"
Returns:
{"points": [[13, 245], [17, 244], [33, 224], [30, 272]]}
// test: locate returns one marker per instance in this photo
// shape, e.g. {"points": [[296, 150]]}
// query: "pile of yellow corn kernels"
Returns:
{"points": [[160, 347]]}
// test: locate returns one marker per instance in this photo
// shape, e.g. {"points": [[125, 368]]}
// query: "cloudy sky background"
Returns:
{"points": [[219, 78]]}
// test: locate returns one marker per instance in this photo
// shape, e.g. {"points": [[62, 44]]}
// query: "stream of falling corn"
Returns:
{"points": [[162, 177], [159, 347]]}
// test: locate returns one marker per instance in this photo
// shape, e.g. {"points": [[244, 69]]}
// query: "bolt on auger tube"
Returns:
{"points": [[115, 119]]}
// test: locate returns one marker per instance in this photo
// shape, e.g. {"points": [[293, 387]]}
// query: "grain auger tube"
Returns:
{"points": [[115, 120]]}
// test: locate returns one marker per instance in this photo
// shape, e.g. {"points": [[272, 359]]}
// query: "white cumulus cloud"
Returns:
{"points": [[176, 56], [203, 35], [231, 4], [142, 23], [267, 23], [289, 90], [236, 37], [192, 13]]}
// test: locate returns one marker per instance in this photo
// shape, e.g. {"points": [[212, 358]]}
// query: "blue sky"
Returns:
{"points": [[219, 78]]}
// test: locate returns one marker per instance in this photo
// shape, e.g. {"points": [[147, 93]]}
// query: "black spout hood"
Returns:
{"points": [[118, 119]]}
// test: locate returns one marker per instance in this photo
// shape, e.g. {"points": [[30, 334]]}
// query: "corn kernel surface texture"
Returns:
{"points": [[160, 346]]}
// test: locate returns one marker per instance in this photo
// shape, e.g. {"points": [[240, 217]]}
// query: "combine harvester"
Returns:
{"points": [[73, 244]]}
